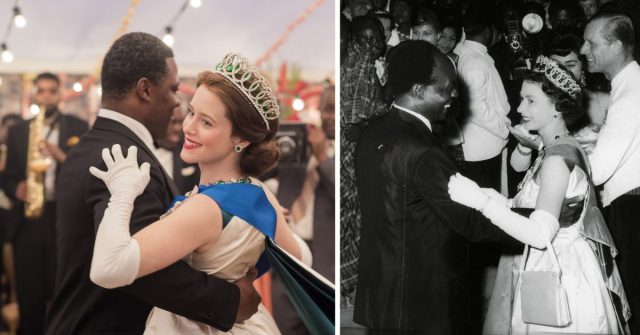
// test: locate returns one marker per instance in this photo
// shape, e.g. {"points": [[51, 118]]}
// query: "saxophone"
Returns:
{"points": [[37, 166]]}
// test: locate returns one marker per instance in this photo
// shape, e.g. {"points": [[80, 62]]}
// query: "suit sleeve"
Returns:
{"points": [[432, 177], [326, 170], [14, 173], [177, 288]]}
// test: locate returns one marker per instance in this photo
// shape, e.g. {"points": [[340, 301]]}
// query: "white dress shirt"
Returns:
{"points": [[615, 160], [485, 131], [136, 127]]}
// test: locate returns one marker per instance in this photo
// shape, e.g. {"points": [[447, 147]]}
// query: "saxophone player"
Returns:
{"points": [[34, 236]]}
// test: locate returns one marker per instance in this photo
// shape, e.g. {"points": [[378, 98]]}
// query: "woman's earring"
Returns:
{"points": [[238, 148], [555, 116]]}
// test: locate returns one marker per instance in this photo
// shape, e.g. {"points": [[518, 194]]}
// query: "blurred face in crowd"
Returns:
{"points": [[359, 7], [562, 18], [536, 108], [386, 26], [589, 7], [572, 62], [379, 4], [447, 40], [599, 52], [47, 93], [401, 12], [328, 113], [425, 32], [373, 37], [174, 133]]}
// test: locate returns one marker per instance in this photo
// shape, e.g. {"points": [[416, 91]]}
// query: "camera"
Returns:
{"points": [[292, 142]]}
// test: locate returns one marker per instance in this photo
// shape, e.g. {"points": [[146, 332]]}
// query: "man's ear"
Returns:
{"points": [[417, 90], [143, 88], [617, 47]]}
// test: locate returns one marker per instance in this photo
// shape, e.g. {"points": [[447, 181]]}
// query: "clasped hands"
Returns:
{"points": [[466, 192]]}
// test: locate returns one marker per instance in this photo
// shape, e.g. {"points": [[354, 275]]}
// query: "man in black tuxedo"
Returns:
{"points": [[139, 84], [412, 276], [34, 239]]}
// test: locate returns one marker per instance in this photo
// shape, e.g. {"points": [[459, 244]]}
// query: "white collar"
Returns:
{"points": [[420, 117], [136, 127]]}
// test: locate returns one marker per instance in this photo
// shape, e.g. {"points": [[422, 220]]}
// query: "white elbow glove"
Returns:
{"points": [[305, 253], [540, 227], [116, 256]]}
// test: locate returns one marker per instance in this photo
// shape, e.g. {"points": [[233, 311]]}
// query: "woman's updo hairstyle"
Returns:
{"points": [[262, 154]]}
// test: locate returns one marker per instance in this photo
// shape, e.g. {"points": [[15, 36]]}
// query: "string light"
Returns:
{"points": [[195, 3], [77, 87], [298, 104], [18, 19], [168, 36], [7, 56]]}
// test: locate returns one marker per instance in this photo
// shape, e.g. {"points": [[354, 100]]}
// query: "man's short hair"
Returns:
{"points": [[424, 15], [410, 62], [46, 76], [132, 57], [619, 27], [476, 20]]}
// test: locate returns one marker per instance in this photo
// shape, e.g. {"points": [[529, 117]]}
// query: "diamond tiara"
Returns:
{"points": [[562, 79], [238, 71]]}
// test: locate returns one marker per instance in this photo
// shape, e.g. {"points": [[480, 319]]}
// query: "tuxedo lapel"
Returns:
{"points": [[117, 127]]}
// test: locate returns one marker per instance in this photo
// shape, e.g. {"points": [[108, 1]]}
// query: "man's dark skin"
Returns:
{"points": [[153, 106]]}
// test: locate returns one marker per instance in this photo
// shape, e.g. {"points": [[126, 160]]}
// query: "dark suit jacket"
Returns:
{"points": [[412, 275], [15, 172], [18, 142], [81, 307], [323, 244]]}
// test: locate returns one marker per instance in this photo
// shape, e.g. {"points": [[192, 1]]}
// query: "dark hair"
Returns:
{"points": [[10, 117], [365, 22], [564, 41], [476, 20], [262, 154], [617, 27], [410, 62], [572, 109], [424, 15], [47, 76], [132, 57]]}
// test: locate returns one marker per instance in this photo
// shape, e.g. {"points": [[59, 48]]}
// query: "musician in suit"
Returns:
{"points": [[139, 83], [412, 276], [34, 238]]}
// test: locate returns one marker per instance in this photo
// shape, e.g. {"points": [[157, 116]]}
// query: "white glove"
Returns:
{"points": [[123, 176], [116, 256], [535, 230], [496, 196], [466, 192]]}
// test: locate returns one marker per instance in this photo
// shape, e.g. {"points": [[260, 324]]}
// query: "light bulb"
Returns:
{"points": [[298, 104], [168, 37], [34, 109], [7, 56], [195, 3], [99, 90], [20, 21], [77, 87]]}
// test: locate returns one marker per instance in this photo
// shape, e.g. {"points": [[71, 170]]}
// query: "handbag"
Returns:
{"points": [[543, 298], [312, 295]]}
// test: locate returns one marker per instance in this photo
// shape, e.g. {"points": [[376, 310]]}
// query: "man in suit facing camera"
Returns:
{"points": [[139, 84], [413, 276]]}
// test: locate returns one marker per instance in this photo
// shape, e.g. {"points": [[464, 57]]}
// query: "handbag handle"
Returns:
{"points": [[525, 255]]}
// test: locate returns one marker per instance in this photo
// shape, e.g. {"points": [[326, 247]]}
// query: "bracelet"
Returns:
{"points": [[523, 150], [484, 204]]}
